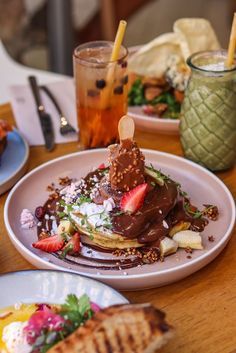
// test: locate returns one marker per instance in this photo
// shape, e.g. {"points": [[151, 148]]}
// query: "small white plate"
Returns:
{"points": [[153, 124], [202, 186], [52, 287]]}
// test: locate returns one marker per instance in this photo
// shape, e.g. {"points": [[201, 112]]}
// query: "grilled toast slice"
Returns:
{"points": [[119, 329]]}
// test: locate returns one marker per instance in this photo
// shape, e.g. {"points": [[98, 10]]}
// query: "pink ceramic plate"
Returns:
{"points": [[202, 186]]}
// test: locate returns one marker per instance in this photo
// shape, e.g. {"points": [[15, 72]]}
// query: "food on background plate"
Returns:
{"points": [[129, 210], [5, 128], [118, 329], [34, 328], [161, 74], [198, 35], [80, 325]]}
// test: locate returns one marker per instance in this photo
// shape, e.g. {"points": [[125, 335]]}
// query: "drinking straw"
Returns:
{"points": [[114, 57], [232, 44], [118, 40]]}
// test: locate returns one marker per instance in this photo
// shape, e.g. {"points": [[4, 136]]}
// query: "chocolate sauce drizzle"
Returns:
{"points": [[162, 209]]}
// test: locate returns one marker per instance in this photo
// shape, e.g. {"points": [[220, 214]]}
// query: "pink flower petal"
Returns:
{"points": [[95, 307], [40, 320]]}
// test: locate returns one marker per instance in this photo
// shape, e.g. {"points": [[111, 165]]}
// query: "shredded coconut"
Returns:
{"points": [[73, 191], [109, 204], [165, 225]]}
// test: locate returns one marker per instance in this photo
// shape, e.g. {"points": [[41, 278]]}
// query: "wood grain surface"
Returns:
{"points": [[201, 307]]}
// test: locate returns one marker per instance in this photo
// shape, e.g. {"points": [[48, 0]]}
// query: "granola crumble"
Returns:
{"points": [[211, 212], [65, 181], [188, 250], [145, 255], [51, 187], [211, 238]]}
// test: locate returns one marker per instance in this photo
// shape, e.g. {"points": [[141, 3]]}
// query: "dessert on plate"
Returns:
{"points": [[80, 325], [127, 209]]}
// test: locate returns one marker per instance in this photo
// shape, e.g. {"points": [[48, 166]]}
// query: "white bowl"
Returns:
{"points": [[52, 287]]}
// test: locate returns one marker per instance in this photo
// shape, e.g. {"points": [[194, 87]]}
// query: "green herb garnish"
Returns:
{"points": [[61, 214], [75, 309], [157, 175], [136, 94], [194, 213], [136, 97], [103, 171], [75, 312], [82, 199], [118, 213]]}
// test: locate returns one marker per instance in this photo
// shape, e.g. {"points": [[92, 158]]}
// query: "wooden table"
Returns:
{"points": [[202, 307]]}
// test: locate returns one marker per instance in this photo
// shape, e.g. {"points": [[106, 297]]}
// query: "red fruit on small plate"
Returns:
{"points": [[131, 201], [148, 109], [51, 244], [102, 166], [73, 245]]}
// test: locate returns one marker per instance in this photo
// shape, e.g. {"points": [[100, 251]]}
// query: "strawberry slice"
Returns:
{"points": [[50, 244], [148, 109], [131, 201], [102, 166], [73, 245]]}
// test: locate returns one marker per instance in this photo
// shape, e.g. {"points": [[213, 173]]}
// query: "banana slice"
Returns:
{"points": [[168, 246], [178, 227], [65, 226], [188, 239]]}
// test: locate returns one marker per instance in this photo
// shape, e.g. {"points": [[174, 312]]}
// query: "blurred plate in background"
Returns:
{"points": [[153, 124], [52, 287], [13, 162]]}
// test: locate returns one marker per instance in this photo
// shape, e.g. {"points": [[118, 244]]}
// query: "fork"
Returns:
{"points": [[65, 127]]}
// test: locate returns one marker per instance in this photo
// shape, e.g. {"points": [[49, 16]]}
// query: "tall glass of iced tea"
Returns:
{"points": [[101, 92]]}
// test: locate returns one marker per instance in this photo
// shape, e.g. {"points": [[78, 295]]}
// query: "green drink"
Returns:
{"points": [[208, 113]]}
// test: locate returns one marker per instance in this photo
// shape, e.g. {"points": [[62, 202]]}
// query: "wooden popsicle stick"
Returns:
{"points": [[126, 128]]}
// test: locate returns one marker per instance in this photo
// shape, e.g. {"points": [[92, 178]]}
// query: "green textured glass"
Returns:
{"points": [[208, 113]]}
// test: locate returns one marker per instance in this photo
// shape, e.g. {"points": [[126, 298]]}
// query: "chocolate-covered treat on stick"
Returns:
{"points": [[126, 160]]}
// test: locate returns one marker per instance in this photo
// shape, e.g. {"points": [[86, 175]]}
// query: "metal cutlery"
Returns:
{"points": [[65, 127], [44, 117]]}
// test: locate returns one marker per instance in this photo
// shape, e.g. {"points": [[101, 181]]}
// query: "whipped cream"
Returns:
{"points": [[109, 204], [96, 215], [27, 219], [14, 338]]}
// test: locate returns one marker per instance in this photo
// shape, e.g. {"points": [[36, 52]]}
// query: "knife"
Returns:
{"points": [[44, 117]]}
